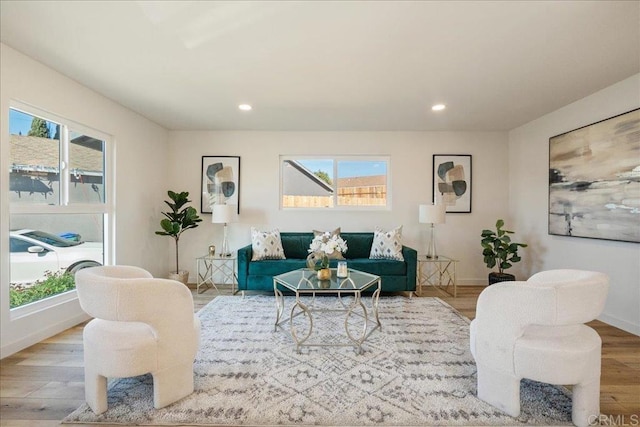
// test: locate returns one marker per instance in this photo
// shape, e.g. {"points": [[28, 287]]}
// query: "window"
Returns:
{"points": [[335, 182], [60, 206]]}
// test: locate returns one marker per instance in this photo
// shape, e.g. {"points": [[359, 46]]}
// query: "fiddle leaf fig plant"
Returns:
{"points": [[498, 249], [179, 219]]}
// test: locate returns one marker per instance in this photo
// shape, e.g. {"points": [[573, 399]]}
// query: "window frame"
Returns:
{"points": [[336, 159], [63, 206]]}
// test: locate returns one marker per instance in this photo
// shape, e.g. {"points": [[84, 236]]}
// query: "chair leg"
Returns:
{"points": [[499, 389], [172, 384], [586, 403], [95, 391]]}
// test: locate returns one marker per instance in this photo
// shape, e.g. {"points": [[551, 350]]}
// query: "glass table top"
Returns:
{"points": [[306, 279]]}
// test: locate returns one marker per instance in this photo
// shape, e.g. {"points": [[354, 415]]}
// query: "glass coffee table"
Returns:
{"points": [[305, 283]]}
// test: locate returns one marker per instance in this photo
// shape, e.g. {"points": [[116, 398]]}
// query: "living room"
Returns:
{"points": [[509, 177]]}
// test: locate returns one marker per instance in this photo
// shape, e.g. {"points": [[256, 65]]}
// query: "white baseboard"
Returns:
{"points": [[620, 324], [42, 334], [472, 282]]}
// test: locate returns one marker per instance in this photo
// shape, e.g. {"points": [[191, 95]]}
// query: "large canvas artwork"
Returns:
{"points": [[452, 181], [594, 180], [220, 182]]}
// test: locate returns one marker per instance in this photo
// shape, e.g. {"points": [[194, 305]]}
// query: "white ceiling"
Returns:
{"points": [[358, 65]]}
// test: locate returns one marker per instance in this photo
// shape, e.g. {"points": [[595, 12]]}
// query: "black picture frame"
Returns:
{"points": [[594, 180], [452, 182], [219, 182]]}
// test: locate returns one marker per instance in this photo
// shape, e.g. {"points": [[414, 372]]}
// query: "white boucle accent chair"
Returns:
{"points": [[535, 330], [142, 325]]}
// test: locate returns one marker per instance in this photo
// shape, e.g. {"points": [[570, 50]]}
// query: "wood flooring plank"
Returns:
{"points": [[37, 408], [42, 373], [21, 388], [31, 423]]}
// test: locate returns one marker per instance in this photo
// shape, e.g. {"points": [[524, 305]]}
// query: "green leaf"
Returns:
{"points": [[499, 223], [167, 225]]}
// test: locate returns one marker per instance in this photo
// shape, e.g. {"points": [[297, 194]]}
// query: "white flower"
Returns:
{"points": [[327, 244]]}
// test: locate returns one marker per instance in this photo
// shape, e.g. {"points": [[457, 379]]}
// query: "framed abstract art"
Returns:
{"points": [[220, 182], [594, 180], [452, 181]]}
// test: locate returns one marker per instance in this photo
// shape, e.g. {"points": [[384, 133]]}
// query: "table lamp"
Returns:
{"points": [[432, 214], [224, 214]]}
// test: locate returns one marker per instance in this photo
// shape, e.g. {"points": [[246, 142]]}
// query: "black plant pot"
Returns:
{"points": [[500, 277]]}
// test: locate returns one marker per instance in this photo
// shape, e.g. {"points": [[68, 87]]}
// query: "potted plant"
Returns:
{"points": [[321, 247], [499, 250], [180, 219]]}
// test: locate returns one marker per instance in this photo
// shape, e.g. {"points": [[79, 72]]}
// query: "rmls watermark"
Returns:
{"points": [[614, 420]]}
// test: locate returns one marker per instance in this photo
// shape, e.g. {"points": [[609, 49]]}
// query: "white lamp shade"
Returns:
{"points": [[432, 214], [223, 214]]}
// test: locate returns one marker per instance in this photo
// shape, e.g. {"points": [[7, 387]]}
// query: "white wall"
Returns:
{"points": [[140, 162], [528, 203], [411, 166]]}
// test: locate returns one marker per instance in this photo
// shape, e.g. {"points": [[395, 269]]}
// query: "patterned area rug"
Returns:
{"points": [[416, 371]]}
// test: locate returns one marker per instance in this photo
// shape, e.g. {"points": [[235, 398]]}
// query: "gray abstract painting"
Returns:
{"points": [[594, 180]]}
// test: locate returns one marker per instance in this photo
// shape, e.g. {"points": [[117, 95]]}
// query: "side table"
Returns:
{"points": [[208, 266], [437, 272]]}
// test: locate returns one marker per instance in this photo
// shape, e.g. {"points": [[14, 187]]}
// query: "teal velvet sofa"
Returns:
{"points": [[396, 276]]}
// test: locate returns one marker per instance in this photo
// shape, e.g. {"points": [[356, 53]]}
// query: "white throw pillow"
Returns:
{"points": [[387, 244], [266, 245]]}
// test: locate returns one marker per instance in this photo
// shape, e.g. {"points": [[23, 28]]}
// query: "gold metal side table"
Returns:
{"points": [[438, 272], [207, 267]]}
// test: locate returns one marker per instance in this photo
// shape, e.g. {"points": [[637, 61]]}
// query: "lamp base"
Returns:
{"points": [[431, 249], [225, 244]]}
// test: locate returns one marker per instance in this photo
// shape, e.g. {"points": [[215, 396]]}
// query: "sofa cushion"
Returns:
{"points": [[387, 244], [296, 245], [379, 267], [359, 244], [266, 245], [271, 267]]}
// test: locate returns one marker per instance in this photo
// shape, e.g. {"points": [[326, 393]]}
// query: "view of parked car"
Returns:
{"points": [[35, 252]]}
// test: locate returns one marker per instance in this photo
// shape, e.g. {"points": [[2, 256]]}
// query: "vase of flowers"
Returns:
{"points": [[323, 246]]}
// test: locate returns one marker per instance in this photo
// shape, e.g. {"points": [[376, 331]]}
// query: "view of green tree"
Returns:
{"points": [[39, 128], [323, 176]]}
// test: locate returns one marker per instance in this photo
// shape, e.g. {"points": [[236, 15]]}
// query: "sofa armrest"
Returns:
{"points": [[244, 258], [411, 258]]}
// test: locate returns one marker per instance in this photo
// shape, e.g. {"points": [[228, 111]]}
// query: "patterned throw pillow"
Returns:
{"points": [[266, 245], [387, 244], [336, 232]]}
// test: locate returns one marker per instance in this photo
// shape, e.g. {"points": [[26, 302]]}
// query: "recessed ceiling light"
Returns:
{"points": [[245, 107], [438, 107]]}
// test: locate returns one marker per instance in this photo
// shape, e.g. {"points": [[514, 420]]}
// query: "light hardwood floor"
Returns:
{"points": [[43, 383]]}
